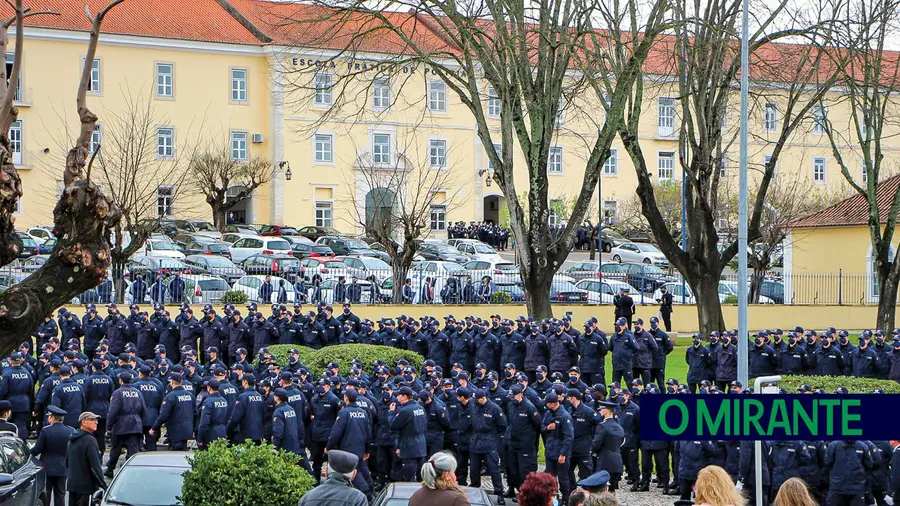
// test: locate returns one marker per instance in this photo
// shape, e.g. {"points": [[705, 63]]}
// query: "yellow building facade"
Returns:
{"points": [[216, 69]]}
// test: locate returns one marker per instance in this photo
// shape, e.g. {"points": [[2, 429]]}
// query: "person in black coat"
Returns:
{"points": [[125, 421], [84, 473], [52, 444], [607, 444]]}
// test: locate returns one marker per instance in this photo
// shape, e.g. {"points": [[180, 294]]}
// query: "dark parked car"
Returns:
{"points": [[216, 265], [566, 291], [285, 266], [773, 290], [439, 251], [304, 250], [148, 479], [240, 229], [48, 245], [351, 246], [207, 248], [29, 246], [313, 233], [645, 277], [516, 293], [277, 230], [398, 494], [22, 478]]}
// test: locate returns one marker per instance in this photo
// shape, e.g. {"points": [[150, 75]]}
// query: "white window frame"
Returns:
{"points": [[10, 57], [323, 213], [494, 106], [770, 117], [499, 149], [438, 217], [555, 161], [165, 202], [165, 81], [437, 153], [553, 218], [614, 207], [872, 276], [240, 86], [320, 154], [820, 117], [560, 114], [239, 147], [820, 170], [864, 171], [96, 138], [164, 150], [611, 165], [16, 142], [381, 152], [437, 96], [381, 94], [665, 125], [322, 82], [667, 172], [95, 84]]}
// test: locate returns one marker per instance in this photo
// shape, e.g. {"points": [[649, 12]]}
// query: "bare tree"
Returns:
{"points": [[215, 171], [132, 168], [869, 85], [83, 216], [791, 78], [668, 196], [524, 57], [393, 203]]}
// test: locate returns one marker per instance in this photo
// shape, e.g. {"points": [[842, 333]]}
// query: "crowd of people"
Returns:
{"points": [[485, 231], [492, 391]]}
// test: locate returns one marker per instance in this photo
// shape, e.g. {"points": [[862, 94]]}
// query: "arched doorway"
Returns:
{"points": [[380, 208], [240, 213], [494, 209]]}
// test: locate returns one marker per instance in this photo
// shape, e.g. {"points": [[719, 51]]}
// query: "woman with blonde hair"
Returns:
{"points": [[439, 486], [794, 493], [715, 488]]}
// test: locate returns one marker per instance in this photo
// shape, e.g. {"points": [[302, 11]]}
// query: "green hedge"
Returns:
{"points": [[501, 298], [831, 383], [247, 474], [343, 354]]}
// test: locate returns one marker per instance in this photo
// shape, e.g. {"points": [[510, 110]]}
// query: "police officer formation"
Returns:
{"points": [[493, 235], [492, 391]]}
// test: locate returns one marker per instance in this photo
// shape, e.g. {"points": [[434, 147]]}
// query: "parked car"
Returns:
{"points": [[679, 296], [564, 290], [362, 267], [327, 291], [148, 479], [217, 265], [250, 286], [158, 248], [639, 252], [286, 266], [324, 265], [205, 289], [240, 228], [351, 246], [611, 239], [498, 271], [645, 277], [601, 291], [636, 235], [515, 291], [48, 245], [303, 250], [398, 494], [233, 237], [40, 233], [441, 251], [583, 270], [142, 265], [23, 479], [207, 248], [198, 227], [313, 233], [249, 246], [439, 272], [29, 246], [730, 289], [277, 230], [773, 290], [476, 249]]}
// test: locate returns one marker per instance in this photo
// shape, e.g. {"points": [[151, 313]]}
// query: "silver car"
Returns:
{"points": [[216, 265]]}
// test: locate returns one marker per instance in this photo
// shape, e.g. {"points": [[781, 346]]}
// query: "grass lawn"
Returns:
{"points": [[676, 367]]}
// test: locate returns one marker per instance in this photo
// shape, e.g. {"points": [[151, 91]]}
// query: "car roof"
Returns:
{"points": [[405, 490], [160, 459]]}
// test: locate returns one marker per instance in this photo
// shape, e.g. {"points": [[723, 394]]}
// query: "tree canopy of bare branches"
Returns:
{"points": [[214, 171]]}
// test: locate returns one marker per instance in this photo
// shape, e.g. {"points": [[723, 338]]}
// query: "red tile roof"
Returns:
{"points": [[853, 211], [197, 20]]}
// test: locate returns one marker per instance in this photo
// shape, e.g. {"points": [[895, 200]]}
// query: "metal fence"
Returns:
{"points": [[432, 283]]}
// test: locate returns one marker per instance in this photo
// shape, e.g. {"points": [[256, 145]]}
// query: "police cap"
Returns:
{"points": [[598, 480]]}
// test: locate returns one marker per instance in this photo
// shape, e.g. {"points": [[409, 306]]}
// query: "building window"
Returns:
{"points": [[554, 208], [94, 81], [872, 274], [165, 196], [381, 93], [666, 166], [865, 172], [766, 160], [165, 142], [323, 214], [498, 148], [323, 86], [666, 121], [381, 149], [863, 117], [611, 165], [96, 137], [560, 114], [554, 165], [438, 217], [493, 103], [610, 211], [15, 142], [10, 58], [819, 170], [239, 85], [820, 117], [239, 146], [770, 122], [437, 96], [324, 148], [437, 153], [165, 80]]}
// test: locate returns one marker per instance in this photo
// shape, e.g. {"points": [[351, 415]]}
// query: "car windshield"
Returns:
{"points": [[28, 242], [289, 231], [652, 269], [484, 248], [219, 262], [355, 244], [204, 226], [278, 245], [374, 263], [567, 286], [443, 248], [162, 246], [147, 485], [218, 285], [647, 248]]}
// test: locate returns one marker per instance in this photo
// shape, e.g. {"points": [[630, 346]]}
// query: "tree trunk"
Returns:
{"points": [[118, 278], [709, 309], [219, 217], [756, 280], [399, 277], [887, 301], [537, 287]]}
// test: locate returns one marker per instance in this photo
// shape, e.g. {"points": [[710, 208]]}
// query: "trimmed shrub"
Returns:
{"points": [[316, 360], [501, 298], [247, 474], [234, 297], [831, 383], [731, 299]]}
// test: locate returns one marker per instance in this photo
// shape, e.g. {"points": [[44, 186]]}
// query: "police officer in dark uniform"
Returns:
{"points": [[249, 411], [152, 395], [556, 426], [606, 446], [664, 346], [642, 359], [285, 429], [592, 349], [488, 424], [584, 423], [126, 411], [524, 425], [213, 416], [629, 416], [411, 424], [624, 306], [623, 345], [177, 413], [352, 433], [17, 387], [325, 407], [51, 445]]}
